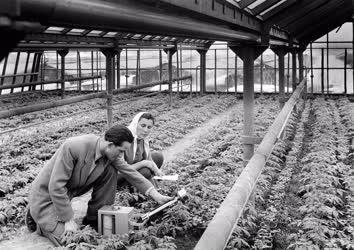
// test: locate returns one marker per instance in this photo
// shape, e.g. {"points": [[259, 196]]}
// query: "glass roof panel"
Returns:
{"points": [[54, 29], [255, 4], [94, 33], [75, 32], [137, 36], [111, 34], [273, 6], [147, 37]]}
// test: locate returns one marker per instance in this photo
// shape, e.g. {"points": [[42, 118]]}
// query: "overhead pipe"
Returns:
{"points": [[219, 230], [94, 14], [47, 105]]}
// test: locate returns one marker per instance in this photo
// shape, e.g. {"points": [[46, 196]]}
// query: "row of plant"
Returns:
{"points": [[207, 171], [324, 187], [46, 142], [259, 222], [19, 99], [60, 112], [22, 160]]}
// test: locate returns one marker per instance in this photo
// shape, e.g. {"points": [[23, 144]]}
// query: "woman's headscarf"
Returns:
{"points": [[133, 128]]}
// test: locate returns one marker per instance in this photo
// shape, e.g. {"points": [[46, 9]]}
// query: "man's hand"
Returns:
{"points": [[159, 198], [71, 226]]}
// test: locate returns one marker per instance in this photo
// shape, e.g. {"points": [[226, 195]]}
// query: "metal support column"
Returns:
{"points": [[15, 70], [118, 53], [248, 54], [92, 72], [281, 52], [170, 53], [327, 62], [42, 70], [261, 76], [322, 71], [126, 68], [36, 68], [235, 74], [227, 70], [62, 54], [202, 54], [26, 69], [137, 74], [109, 54], [288, 75], [177, 62], [57, 67], [215, 71], [275, 73], [3, 72], [301, 64], [79, 70], [311, 61], [160, 66], [345, 71], [293, 55], [301, 69]]}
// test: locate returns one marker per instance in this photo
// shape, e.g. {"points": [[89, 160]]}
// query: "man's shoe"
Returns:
{"points": [[30, 223], [90, 222]]}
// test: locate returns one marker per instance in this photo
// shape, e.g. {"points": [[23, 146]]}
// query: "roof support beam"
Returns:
{"points": [[131, 17]]}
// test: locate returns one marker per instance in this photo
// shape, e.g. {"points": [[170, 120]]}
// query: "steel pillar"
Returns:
{"points": [[15, 70], [293, 57], [92, 72], [281, 52], [311, 61], [118, 53], [261, 74], [301, 65], [79, 69], [322, 71], [248, 54], [62, 54], [202, 54], [26, 69], [160, 66], [235, 74], [345, 71], [215, 71], [109, 54], [170, 53], [35, 68]]}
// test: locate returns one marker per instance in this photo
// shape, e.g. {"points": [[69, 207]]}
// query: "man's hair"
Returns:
{"points": [[147, 116], [118, 134]]}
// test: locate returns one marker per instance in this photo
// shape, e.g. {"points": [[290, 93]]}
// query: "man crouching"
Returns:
{"points": [[82, 163]]}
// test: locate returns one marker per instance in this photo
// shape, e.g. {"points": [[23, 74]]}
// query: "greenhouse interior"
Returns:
{"points": [[249, 104]]}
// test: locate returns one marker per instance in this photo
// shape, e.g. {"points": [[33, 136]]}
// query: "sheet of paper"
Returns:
{"points": [[167, 177]]}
